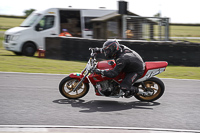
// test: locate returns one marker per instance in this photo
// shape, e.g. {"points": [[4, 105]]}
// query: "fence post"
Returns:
{"points": [[160, 29], [167, 29], [124, 26]]}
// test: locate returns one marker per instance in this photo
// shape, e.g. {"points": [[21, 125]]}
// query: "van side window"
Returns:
{"points": [[45, 23]]}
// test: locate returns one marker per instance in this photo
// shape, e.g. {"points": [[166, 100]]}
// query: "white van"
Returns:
{"points": [[30, 35]]}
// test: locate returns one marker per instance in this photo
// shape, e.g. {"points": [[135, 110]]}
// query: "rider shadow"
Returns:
{"points": [[105, 106]]}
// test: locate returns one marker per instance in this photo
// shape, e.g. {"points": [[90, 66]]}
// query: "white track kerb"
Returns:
{"points": [[68, 74], [45, 128]]}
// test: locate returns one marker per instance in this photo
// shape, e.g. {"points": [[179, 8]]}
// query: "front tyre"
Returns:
{"points": [[155, 85], [67, 85]]}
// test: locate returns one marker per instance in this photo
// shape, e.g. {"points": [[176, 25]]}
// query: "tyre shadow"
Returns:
{"points": [[105, 106]]}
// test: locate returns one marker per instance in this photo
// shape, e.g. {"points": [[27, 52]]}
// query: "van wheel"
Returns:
{"points": [[29, 49]]}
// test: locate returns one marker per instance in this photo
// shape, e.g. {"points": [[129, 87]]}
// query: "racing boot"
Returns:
{"points": [[134, 90], [129, 93]]}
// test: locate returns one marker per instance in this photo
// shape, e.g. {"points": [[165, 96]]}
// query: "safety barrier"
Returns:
{"points": [[175, 53]]}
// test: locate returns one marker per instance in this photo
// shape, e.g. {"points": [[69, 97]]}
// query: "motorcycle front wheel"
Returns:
{"points": [[67, 85], [154, 85]]}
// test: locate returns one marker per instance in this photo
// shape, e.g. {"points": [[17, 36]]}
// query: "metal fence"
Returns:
{"points": [[145, 28]]}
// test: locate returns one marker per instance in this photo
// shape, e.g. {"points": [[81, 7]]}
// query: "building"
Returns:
{"points": [[111, 25]]}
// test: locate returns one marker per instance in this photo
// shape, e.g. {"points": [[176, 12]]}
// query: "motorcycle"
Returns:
{"points": [[76, 85]]}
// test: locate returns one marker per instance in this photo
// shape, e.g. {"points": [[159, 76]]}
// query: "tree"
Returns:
{"points": [[157, 15], [28, 12]]}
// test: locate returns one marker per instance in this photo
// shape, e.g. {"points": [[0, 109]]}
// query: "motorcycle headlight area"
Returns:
{"points": [[77, 74], [88, 66]]}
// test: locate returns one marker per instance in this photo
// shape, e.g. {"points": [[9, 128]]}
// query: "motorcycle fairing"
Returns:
{"points": [[105, 65], [94, 78], [152, 69]]}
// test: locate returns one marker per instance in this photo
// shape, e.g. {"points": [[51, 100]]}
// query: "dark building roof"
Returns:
{"points": [[110, 16]]}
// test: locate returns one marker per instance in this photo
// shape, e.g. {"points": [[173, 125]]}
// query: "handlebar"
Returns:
{"points": [[96, 50]]}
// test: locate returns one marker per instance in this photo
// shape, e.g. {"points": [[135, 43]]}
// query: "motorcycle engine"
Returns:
{"points": [[108, 87]]}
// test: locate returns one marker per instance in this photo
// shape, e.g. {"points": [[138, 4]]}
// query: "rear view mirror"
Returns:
{"points": [[38, 27]]}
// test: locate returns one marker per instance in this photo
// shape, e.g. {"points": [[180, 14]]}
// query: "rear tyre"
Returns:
{"points": [[29, 49], [154, 85], [67, 85]]}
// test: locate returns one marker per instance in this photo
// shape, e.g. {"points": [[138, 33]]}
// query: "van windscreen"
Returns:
{"points": [[30, 20]]}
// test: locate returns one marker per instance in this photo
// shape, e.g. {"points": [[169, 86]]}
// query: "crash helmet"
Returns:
{"points": [[110, 48]]}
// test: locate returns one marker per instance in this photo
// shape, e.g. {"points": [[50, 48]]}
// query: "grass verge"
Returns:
{"points": [[181, 72], [6, 23], [12, 63]]}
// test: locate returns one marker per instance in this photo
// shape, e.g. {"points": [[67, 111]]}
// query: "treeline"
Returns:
{"points": [[12, 16], [183, 24], [175, 24]]}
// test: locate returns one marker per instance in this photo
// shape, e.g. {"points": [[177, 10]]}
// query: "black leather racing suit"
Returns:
{"points": [[129, 62]]}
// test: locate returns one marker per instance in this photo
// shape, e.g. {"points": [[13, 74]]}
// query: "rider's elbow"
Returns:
{"points": [[110, 74]]}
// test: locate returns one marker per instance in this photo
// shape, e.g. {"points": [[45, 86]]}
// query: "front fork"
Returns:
{"points": [[80, 82]]}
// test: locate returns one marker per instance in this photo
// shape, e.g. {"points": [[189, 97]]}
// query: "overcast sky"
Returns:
{"points": [[179, 11]]}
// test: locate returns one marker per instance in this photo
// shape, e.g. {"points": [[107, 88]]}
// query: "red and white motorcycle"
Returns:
{"points": [[76, 85]]}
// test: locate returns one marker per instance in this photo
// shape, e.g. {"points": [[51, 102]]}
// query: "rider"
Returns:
{"points": [[128, 61]]}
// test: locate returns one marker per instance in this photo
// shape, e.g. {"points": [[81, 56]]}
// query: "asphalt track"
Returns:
{"points": [[34, 100]]}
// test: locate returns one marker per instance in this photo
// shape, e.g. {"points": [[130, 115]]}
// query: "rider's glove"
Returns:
{"points": [[98, 71]]}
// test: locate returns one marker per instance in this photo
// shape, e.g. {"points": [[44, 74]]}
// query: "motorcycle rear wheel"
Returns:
{"points": [[154, 84], [67, 85]]}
